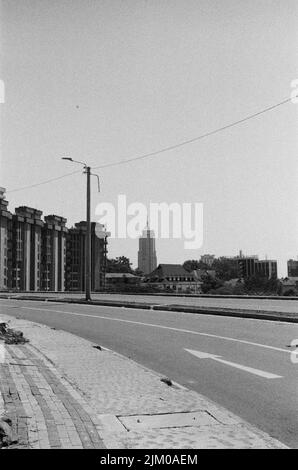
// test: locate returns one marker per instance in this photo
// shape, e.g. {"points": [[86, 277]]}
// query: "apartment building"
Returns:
{"points": [[5, 241], [53, 253], [26, 249], [76, 259]]}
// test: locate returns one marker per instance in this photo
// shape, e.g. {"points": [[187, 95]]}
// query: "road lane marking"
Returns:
{"points": [[182, 330], [251, 370]]}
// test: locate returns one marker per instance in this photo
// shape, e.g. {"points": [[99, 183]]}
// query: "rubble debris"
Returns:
{"points": [[166, 381], [6, 434], [11, 336]]}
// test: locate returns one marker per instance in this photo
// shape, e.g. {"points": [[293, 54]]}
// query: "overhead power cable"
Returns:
{"points": [[162, 150], [43, 182], [195, 139]]}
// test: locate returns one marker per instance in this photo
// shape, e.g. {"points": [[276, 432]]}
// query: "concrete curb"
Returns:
{"points": [[259, 315], [238, 313], [172, 294]]}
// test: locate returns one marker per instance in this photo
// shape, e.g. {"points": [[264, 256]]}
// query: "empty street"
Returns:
{"points": [[245, 365]]}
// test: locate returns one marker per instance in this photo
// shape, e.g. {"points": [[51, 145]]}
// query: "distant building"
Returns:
{"points": [[267, 268], [173, 277], [5, 241], [289, 286], [201, 274], [250, 266], [246, 265], [114, 280], [75, 258], [147, 260], [207, 259], [292, 268]]}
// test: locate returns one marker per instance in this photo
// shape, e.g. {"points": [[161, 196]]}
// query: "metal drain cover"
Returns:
{"points": [[169, 420]]}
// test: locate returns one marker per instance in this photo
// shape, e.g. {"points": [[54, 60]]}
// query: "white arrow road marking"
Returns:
{"points": [[251, 370]]}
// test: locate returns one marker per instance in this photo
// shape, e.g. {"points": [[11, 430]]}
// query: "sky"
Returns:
{"points": [[104, 81]]}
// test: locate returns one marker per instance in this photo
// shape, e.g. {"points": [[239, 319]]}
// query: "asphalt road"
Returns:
{"points": [[250, 370]]}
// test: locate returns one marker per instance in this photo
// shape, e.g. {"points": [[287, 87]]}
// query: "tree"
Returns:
{"points": [[261, 285], [239, 289], [225, 268], [138, 272], [119, 265], [210, 283], [290, 293], [192, 264]]}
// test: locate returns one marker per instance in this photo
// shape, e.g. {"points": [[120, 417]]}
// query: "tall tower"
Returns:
{"points": [[147, 261]]}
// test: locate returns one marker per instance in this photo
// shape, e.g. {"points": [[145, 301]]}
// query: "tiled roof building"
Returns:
{"points": [[173, 277]]}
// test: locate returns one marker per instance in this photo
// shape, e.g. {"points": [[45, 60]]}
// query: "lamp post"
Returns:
{"points": [[88, 234]]}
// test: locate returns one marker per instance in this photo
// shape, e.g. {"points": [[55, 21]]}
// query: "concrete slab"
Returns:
{"points": [[169, 420]]}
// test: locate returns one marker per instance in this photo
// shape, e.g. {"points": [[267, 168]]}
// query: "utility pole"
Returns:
{"points": [[87, 170], [88, 240]]}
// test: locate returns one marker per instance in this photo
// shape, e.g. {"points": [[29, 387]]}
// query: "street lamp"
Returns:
{"points": [[74, 161], [88, 235]]}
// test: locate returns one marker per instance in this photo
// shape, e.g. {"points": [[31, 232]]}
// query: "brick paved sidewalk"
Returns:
{"points": [[45, 410], [61, 392]]}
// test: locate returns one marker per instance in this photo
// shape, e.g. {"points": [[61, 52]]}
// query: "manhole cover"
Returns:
{"points": [[170, 420]]}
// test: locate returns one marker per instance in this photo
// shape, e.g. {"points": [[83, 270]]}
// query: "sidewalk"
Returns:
{"points": [[61, 392]]}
